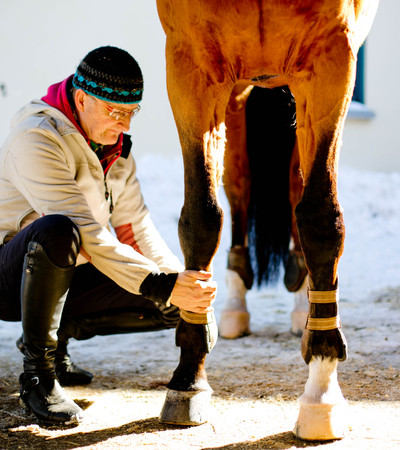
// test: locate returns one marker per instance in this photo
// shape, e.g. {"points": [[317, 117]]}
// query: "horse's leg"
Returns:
{"points": [[235, 318], [322, 101], [198, 99], [295, 278]]}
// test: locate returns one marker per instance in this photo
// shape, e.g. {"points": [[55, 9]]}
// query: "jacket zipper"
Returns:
{"points": [[108, 196]]}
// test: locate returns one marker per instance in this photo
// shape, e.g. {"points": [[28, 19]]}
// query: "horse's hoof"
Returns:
{"points": [[186, 407], [299, 319], [234, 324], [321, 421]]}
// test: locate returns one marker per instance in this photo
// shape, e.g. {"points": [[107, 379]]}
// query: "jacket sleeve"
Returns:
{"points": [[36, 164], [133, 224]]}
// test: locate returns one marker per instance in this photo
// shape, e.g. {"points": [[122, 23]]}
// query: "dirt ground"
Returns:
{"points": [[256, 381]]}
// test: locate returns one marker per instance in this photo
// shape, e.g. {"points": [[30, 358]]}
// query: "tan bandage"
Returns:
{"points": [[323, 296], [195, 318], [323, 324]]}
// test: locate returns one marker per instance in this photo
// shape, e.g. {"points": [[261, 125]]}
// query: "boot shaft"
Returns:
{"points": [[44, 288]]}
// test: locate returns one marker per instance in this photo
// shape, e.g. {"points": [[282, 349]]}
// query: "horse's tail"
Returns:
{"points": [[271, 130]]}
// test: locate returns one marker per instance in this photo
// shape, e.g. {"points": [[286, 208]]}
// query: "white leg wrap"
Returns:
{"points": [[323, 409], [235, 317], [300, 310]]}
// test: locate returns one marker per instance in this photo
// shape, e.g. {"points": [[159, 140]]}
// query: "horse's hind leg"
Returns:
{"points": [[295, 278], [322, 103], [235, 318]]}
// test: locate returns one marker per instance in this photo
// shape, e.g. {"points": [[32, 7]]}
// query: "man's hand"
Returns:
{"points": [[194, 291]]}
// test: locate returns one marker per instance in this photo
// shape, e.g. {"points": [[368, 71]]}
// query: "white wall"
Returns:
{"points": [[375, 144], [43, 41]]}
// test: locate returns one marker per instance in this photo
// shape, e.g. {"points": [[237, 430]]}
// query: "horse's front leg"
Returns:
{"points": [[321, 104], [199, 111], [200, 225]]}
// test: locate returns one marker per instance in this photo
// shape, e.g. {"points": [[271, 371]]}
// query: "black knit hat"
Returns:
{"points": [[110, 74]]}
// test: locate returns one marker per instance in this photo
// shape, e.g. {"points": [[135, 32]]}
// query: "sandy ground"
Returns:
{"points": [[256, 380]]}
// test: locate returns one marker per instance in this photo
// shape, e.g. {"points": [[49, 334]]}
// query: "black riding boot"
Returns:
{"points": [[68, 373], [43, 291], [106, 323]]}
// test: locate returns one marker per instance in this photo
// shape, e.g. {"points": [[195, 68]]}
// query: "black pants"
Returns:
{"points": [[90, 293]]}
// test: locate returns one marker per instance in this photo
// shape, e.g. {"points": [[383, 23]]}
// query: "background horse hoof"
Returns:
{"points": [[321, 422], [186, 407], [234, 324]]}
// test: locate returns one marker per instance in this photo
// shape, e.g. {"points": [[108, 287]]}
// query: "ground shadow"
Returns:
{"points": [[280, 440], [14, 438]]}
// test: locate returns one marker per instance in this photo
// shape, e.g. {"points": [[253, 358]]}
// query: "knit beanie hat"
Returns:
{"points": [[110, 74]]}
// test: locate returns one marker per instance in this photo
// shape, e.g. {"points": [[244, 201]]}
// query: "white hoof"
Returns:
{"points": [[321, 421], [323, 409], [234, 324]]}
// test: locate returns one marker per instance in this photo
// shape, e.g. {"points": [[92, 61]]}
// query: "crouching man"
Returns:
{"points": [[66, 178]]}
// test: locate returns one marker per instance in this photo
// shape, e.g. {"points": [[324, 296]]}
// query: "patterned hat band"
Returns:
{"points": [[104, 92]]}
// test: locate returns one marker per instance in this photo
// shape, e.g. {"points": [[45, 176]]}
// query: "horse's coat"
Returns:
{"points": [[311, 46]]}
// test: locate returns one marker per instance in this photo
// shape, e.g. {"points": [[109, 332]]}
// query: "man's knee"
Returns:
{"points": [[60, 238]]}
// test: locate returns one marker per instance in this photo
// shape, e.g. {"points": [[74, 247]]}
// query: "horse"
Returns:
{"points": [[261, 132], [311, 46]]}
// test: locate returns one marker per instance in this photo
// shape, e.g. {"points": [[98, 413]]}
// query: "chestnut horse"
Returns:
{"points": [[310, 46], [261, 131]]}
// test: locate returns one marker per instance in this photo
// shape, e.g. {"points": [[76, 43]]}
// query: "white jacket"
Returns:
{"points": [[47, 167]]}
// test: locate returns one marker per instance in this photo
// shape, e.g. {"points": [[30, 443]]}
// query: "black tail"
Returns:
{"points": [[271, 130]]}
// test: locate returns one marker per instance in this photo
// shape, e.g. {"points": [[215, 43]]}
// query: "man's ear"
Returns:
{"points": [[80, 99]]}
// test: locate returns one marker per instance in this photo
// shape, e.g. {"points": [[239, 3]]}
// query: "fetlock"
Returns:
{"points": [[239, 262], [41, 394]]}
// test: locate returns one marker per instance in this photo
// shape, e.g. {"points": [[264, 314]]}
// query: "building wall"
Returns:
{"points": [[41, 42], [373, 144]]}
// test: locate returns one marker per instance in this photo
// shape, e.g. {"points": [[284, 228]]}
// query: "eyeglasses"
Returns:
{"points": [[119, 114]]}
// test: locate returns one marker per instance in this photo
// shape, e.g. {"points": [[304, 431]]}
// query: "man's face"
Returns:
{"points": [[102, 121]]}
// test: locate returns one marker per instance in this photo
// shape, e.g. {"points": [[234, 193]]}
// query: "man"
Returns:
{"points": [[66, 179]]}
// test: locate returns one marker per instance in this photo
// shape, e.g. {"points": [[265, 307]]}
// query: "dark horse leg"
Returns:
{"points": [[199, 105], [321, 105]]}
